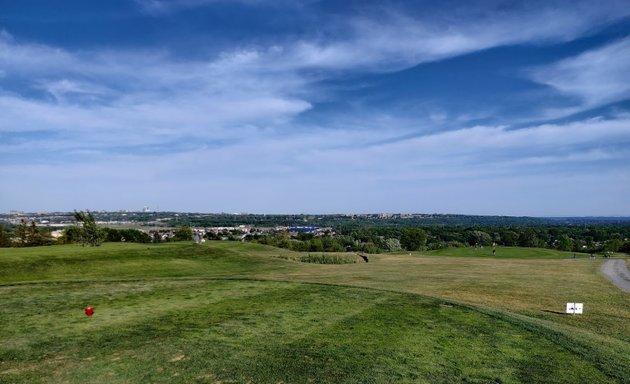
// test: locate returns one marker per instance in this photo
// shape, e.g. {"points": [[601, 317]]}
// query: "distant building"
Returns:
{"points": [[303, 229]]}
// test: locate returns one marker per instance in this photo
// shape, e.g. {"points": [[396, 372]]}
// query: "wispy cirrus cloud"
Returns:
{"points": [[267, 85], [158, 7], [595, 77], [392, 36], [256, 91], [394, 40]]}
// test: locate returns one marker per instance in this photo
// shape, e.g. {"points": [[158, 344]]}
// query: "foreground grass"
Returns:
{"points": [[240, 331], [160, 303]]}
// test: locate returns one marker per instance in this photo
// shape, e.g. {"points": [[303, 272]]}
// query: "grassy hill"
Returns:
{"points": [[231, 312]]}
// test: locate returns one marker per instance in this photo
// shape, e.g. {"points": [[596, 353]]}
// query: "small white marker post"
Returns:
{"points": [[575, 308]]}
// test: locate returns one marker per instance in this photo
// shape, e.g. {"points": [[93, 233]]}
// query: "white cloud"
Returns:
{"points": [[469, 153], [80, 91], [31, 58], [157, 7], [387, 39], [440, 172], [390, 36], [596, 77], [138, 98]]}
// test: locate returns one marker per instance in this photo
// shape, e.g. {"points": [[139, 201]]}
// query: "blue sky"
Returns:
{"points": [[472, 107]]}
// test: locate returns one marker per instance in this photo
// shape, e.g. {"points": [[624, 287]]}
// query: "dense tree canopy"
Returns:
{"points": [[183, 234], [413, 239]]}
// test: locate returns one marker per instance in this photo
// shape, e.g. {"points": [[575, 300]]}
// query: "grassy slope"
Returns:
{"points": [[132, 261], [357, 335]]}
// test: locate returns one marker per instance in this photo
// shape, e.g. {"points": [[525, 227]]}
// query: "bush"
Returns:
{"points": [[328, 259], [183, 234]]}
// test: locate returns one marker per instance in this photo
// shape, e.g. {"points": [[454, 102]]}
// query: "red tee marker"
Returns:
{"points": [[89, 311]]}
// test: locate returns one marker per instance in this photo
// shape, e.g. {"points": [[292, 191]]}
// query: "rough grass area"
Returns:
{"points": [[232, 312], [323, 258]]}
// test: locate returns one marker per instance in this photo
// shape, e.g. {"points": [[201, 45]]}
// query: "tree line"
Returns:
{"points": [[374, 238], [587, 239], [86, 232]]}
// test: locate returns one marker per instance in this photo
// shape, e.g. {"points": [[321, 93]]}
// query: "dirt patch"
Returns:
{"points": [[177, 358]]}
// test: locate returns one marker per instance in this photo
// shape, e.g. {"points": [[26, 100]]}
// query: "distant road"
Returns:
{"points": [[617, 272]]}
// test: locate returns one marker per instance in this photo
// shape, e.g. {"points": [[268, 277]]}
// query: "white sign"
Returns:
{"points": [[575, 308]]}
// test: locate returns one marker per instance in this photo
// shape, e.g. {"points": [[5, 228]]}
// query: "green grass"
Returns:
{"points": [[127, 261], [187, 331], [506, 253], [231, 312]]}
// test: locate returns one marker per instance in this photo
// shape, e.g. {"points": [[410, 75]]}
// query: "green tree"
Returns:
{"points": [[528, 238], [565, 243], [331, 245], [89, 234], [413, 239], [21, 233], [183, 234], [316, 245], [34, 236], [5, 240], [71, 235], [370, 248], [130, 235], [614, 244], [156, 237], [509, 238], [393, 245], [479, 238]]}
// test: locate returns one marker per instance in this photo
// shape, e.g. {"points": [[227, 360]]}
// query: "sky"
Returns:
{"points": [[517, 108]]}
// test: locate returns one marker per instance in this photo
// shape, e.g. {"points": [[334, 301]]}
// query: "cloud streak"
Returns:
{"points": [[596, 77]]}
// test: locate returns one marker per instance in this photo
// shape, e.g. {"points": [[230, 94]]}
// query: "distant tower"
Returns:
{"points": [[146, 209]]}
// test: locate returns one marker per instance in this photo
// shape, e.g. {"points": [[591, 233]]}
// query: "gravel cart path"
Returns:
{"points": [[617, 272]]}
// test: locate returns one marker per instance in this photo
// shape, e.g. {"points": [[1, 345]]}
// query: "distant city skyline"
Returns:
{"points": [[516, 108], [358, 214]]}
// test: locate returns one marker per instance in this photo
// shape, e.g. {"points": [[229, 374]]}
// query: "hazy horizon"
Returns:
{"points": [[308, 213]]}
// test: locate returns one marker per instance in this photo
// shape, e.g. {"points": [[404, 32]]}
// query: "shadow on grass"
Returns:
{"points": [[554, 312]]}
